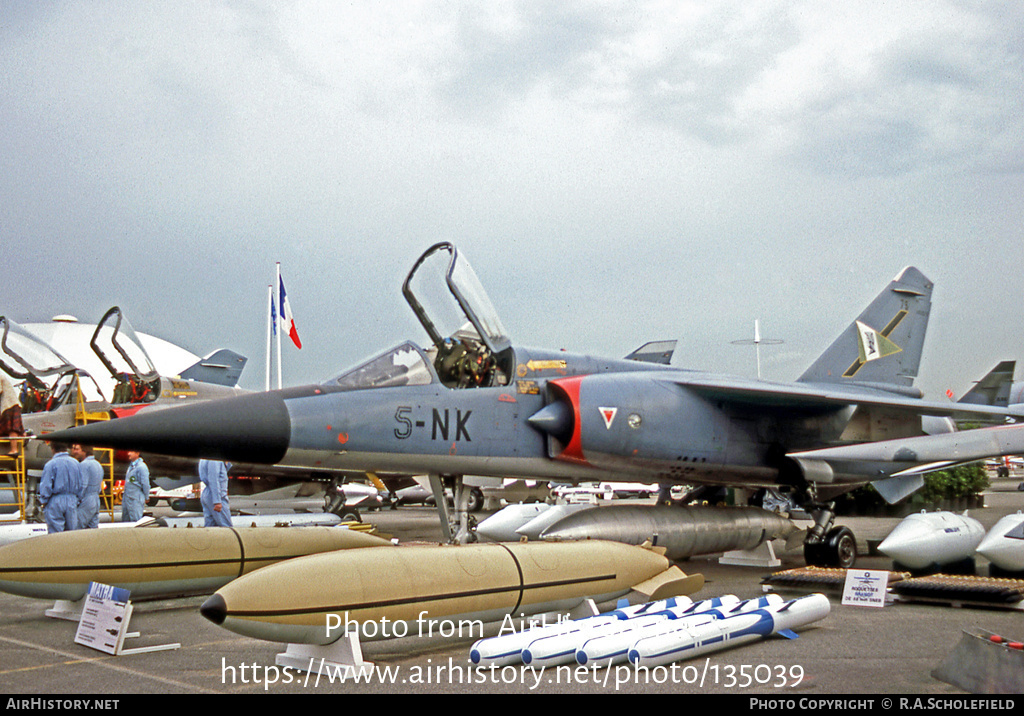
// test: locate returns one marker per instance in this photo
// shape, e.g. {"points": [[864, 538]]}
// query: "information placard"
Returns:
{"points": [[105, 617], [865, 588]]}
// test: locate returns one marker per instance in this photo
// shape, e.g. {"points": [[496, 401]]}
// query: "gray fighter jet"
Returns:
{"points": [[475, 404]]}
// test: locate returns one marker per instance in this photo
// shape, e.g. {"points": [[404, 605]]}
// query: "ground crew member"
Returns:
{"points": [[60, 490], [136, 488], [92, 477], [214, 476]]}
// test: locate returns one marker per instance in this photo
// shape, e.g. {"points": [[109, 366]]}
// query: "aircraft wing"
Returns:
{"points": [[927, 452], [765, 394], [898, 465]]}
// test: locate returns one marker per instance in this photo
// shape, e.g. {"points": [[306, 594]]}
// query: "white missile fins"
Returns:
{"points": [[613, 647], [508, 648], [731, 631]]}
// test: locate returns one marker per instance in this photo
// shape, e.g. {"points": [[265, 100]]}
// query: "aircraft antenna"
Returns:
{"points": [[756, 342]]}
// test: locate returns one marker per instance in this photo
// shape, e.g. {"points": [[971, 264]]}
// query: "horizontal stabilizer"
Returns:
{"points": [[223, 367]]}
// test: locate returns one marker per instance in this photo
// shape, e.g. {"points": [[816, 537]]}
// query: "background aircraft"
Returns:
{"points": [[57, 393], [997, 388], [72, 339], [475, 404]]}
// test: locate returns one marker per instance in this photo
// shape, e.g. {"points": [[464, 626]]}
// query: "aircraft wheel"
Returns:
{"points": [[476, 500], [838, 549], [348, 515], [814, 554], [841, 547]]}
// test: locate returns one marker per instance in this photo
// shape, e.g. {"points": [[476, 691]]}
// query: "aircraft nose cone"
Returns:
{"points": [[248, 428], [215, 609]]}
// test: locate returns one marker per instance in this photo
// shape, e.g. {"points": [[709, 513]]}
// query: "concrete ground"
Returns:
{"points": [[855, 650]]}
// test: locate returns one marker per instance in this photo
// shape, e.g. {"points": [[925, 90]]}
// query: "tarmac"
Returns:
{"points": [[890, 650]]}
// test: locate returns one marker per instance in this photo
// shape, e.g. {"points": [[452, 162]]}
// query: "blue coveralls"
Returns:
{"points": [[136, 491], [60, 491], [214, 476], [89, 509]]}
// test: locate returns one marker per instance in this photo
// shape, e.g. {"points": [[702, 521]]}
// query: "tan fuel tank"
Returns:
{"points": [[408, 587], [159, 562]]}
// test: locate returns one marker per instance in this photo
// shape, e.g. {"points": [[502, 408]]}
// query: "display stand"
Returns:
{"points": [[341, 660], [103, 625], [761, 556], [66, 609]]}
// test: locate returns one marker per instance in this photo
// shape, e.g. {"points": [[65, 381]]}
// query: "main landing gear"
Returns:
{"points": [[458, 526], [828, 545]]}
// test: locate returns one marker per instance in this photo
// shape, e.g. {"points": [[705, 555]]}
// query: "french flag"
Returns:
{"points": [[287, 322]]}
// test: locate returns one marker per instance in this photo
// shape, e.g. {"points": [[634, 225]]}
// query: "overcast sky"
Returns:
{"points": [[615, 172]]}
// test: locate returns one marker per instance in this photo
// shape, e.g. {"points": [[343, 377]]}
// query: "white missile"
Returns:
{"points": [[613, 647], [720, 634], [1003, 546], [562, 648], [24, 530], [535, 527], [508, 648], [502, 525], [20, 531], [294, 519], [930, 539]]}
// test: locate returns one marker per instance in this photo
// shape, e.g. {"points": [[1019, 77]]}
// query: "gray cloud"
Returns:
{"points": [[616, 172]]}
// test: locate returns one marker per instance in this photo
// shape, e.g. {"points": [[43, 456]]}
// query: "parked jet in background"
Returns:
{"points": [[57, 394], [997, 388], [475, 404]]}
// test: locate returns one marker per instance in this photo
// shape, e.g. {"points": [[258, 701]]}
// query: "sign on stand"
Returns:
{"points": [[865, 588], [104, 622]]}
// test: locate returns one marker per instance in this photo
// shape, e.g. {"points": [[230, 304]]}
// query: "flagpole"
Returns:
{"points": [[270, 330], [280, 312]]}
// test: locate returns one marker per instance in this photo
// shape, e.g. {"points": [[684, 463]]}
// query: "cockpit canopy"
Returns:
{"points": [[116, 344], [48, 378], [406, 364], [471, 346]]}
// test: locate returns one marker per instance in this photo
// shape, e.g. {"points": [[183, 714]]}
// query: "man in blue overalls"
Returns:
{"points": [[214, 476], [92, 476], [60, 490], [136, 488]]}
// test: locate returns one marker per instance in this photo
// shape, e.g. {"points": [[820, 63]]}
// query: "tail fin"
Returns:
{"points": [[223, 367], [884, 344], [994, 388]]}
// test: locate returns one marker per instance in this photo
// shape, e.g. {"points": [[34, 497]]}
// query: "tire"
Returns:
{"points": [[841, 547], [838, 549]]}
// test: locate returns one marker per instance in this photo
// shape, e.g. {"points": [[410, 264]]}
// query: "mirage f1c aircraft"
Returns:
{"points": [[475, 404]]}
